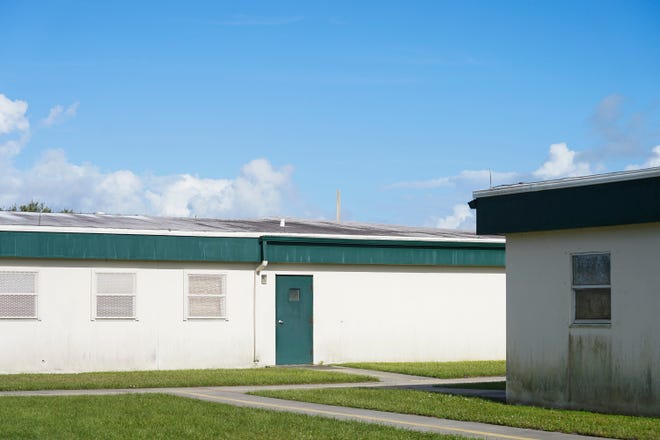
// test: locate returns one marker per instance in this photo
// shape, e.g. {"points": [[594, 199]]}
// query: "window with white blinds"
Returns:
{"points": [[206, 295], [114, 295], [18, 295]]}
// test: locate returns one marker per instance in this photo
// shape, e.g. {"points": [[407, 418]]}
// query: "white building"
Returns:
{"points": [[583, 289], [97, 292]]}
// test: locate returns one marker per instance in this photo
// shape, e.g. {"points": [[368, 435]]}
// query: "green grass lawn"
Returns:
{"points": [[441, 370], [500, 385], [174, 378], [480, 410], [158, 416]]}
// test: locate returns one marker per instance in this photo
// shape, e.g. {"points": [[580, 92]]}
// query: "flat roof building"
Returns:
{"points": [[87, 292], [583, 289]]}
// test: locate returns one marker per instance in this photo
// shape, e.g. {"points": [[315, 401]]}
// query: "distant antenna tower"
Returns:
{"points": [[338, 206], [490, 179]]}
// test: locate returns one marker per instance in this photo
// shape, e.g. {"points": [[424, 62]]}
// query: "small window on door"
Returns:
{"points": [[294, 295], [592, 291]]}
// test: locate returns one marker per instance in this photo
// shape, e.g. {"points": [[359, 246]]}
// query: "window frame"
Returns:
{"points": [[604, 322], [95, 294], [186, 295], [36, 295]]}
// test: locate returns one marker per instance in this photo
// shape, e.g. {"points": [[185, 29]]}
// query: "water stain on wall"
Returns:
{"points": [[589, 368]]}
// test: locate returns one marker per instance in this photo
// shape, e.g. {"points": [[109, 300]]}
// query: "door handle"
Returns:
{"points": [[279, 321]]}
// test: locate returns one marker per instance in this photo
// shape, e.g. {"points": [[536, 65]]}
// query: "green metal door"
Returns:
{"points": [[293, 319]]}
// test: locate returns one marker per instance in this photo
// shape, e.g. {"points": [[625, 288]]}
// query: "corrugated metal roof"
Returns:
{"points": [[11, 220]]}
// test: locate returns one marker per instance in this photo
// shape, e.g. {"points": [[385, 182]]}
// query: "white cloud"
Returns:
{"points": [[471, 177], [458, 190], [12, 147], [59, 114], [57, 182], [620, 133], [183, 195], [492, 177], [259, 190], [14, 127], [462, 217], [12, 116], [562, 163], [422, 184], [652, 161], [61, 184]]}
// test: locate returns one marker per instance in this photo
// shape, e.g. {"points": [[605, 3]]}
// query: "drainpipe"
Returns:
{"points": [[257, 272]]}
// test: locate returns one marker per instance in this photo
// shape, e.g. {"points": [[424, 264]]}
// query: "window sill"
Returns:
{"points": [[19, 318], [205, 318], [597, 324], [104, 318]]}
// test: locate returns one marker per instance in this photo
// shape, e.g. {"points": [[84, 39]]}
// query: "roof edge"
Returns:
{"points": [[260, 235], [568, 182], [352, 240]]}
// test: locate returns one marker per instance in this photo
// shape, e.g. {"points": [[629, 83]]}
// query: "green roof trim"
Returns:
{"points": [[275, 249], [632, 201], [92, 246], [307, 250]]}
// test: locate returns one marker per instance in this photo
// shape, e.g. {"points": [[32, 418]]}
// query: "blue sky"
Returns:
{"points": [[253, 109]]}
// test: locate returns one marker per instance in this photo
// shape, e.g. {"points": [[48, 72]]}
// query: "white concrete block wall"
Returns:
{"points": [[361, 313], [609, 368], [66, 339], [397, 313]]}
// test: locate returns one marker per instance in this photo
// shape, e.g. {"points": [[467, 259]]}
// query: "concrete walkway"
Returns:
{"points": [[237, 396]]}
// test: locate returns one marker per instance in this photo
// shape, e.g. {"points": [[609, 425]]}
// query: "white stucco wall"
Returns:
{"points": [[361, 313], [603, 367], [65, 339], [395, 313]]}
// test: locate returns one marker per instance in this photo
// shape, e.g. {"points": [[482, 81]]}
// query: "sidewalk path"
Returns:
{"points": [[237, 396]]}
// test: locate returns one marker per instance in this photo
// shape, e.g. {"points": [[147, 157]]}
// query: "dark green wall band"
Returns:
{"points": [[305, 250], [389, 252], [59, 245]]}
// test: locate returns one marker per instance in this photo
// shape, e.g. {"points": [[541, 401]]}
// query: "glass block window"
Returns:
{"points": [[114, 296], [592, 291], [206, 295], [18, 295]]}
